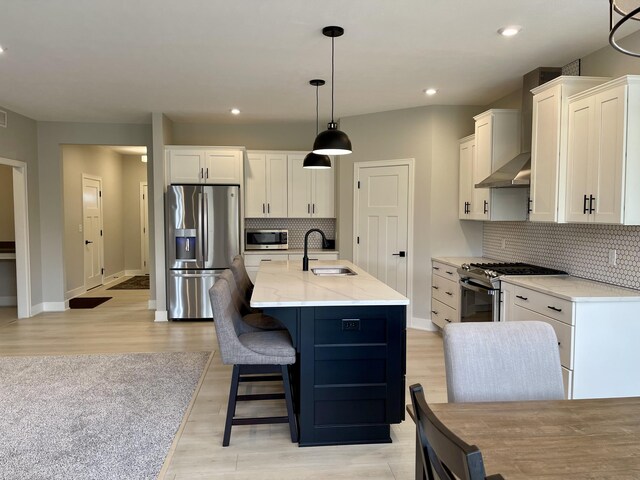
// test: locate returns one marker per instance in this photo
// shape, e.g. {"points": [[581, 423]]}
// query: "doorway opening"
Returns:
{"points": [[15, 275], [104, 213]]}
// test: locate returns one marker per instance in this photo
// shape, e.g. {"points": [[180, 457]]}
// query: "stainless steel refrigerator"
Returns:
{"points": [[203, 236]]}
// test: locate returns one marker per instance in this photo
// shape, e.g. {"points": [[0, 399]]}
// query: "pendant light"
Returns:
{"points": [[316, 160], [332, 141], [628, 10]]}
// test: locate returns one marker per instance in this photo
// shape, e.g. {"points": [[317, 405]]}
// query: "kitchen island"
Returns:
{"points": [[350, 338]]}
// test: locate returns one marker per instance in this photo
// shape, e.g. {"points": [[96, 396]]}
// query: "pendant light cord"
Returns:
{"points": [[332, 74], [317, 114]]}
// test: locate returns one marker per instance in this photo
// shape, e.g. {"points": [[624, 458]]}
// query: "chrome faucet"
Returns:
{"points": [[305, 257]]}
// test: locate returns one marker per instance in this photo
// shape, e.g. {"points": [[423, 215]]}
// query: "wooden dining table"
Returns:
{"points": [[564, 439]]}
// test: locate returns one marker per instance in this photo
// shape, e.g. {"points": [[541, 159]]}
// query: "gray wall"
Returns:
{"points": [[430, 136], [608, 62], [266, 136], [19, 142], [133, 173], [51, 136], [7, 227]]}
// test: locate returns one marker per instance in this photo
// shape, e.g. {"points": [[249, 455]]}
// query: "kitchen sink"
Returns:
{"points": [[333, 271]]}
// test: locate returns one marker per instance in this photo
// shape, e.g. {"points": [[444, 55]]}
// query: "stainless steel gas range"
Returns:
{"points": [[480, 295]]}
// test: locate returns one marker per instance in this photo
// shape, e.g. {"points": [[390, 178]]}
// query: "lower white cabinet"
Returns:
{"points": [[252, 260], [445, 294], [597, 339]]}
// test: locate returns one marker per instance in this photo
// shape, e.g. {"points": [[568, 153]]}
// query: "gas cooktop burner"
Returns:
{"points": [[496, 269]]}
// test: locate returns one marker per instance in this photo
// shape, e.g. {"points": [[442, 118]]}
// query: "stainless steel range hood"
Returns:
{"points": [[517, 171]]}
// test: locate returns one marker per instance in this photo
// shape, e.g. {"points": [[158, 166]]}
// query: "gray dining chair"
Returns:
{"points": [[502, 361], [253, 317], [256, 355], [245, 285], [442, 452]]}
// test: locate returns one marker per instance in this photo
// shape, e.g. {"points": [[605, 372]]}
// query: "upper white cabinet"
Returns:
{"points": [[603, 154], [549, 145], [311, 191], [204, 165], [497, 140], [466, 192], [265, 176]]}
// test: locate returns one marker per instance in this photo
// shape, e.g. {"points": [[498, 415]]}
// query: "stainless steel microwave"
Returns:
{"points": [[262, 239]]}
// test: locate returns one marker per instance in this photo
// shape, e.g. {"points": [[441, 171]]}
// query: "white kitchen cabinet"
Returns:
{"points": [[445, 294], [497, 140], [214, 166], [549, 145], [603, 154], [596, 336], [310, 191], [265, 185], [466, 191]]}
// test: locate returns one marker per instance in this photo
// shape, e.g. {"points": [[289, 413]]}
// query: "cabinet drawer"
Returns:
{"points": [[252, 260], [445, 290], [442, 314], [563, 331], [547, 305], [445, 271]]}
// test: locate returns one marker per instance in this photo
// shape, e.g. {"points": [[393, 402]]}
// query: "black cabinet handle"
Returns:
{"points": [[486, 207], [449, 273], [263, 208], [436, 268], [446, 319], [584, 204], [435, 288], [313, 208], [202, 173], [449, 293], [401, 253], [592, 200], [554, 308], [207, 172], [434, 312], [308, 208], [522, 298], [87, 242], [268, 208]]}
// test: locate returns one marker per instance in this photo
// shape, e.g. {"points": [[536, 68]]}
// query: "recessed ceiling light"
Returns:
{"points": [[2, 49], [235, 111], [430, 91], [143, 158], [510, 30]]}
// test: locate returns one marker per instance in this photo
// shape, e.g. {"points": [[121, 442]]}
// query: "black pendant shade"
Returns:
{"points": [[628, 10], [332, 141], [313, 160]]}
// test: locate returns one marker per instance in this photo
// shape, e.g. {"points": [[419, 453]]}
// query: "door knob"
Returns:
{"points": [[401, 253], [87, 242]]}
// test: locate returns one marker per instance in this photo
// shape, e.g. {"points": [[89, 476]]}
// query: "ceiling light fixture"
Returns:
{"points": [[332, 141], [143, 158], [235, 111], [509, 31], [430, 91], [2, 49], [315, 160], [628, 10]]}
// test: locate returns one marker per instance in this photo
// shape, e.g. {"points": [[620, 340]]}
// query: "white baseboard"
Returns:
{"points": [[112, 278], [152, 304], [8, 301], [131, 273], [55, 306], [423, 324], [161, 316], [36, 309], [74, 293]]}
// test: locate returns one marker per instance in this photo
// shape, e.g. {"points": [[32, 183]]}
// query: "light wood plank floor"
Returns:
{"points": [[124, 324]]}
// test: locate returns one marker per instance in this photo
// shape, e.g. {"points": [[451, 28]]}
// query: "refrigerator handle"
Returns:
{"points": [[205, 236]]}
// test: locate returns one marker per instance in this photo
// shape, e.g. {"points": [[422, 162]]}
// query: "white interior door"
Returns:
{"points": [[144, 227], [92, 228], [382, 226]]}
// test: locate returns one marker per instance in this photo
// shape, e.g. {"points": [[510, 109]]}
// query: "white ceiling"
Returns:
{"points": [[119, 60]]}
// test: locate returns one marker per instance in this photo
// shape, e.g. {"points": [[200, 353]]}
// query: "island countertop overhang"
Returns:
{"points": [[284, 284]]}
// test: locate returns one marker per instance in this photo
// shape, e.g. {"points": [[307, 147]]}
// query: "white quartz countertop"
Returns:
{"points": [[458, 261], [293, 251], [284, 284], [575, 289]]}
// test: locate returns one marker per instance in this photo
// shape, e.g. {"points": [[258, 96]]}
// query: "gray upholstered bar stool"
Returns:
{"points": [[253, 317], [245, 285], [256, 355]]}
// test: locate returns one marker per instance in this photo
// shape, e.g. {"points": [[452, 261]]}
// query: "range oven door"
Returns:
{"points": [[478, 303]]}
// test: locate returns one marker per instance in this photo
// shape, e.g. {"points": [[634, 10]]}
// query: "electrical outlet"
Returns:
{"points": [[504, 243], [350, 324], [613, 254]]}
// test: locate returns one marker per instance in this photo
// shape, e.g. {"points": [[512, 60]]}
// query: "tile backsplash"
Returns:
{"points": [[297, 228], [579, 249]]}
